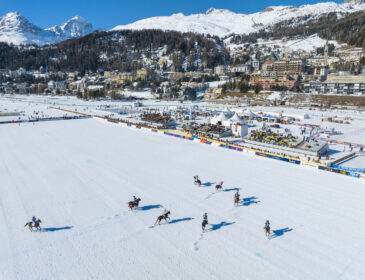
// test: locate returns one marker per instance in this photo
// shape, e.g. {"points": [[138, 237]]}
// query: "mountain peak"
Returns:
{"points": [[74, 27], [13, 17], [217, 11], [221, 22], [16, 29], [15, 22], [77, 18]]}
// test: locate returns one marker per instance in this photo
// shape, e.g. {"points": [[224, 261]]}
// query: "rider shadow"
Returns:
{"points": [[180, 220], [56, 229], [207, 184], [231, 190], [249, 200], [149, 207], [218, 226], [280, 232]]}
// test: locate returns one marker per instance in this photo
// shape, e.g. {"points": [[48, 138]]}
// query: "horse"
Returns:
{"points": [[197, 182], [132, 204], [204, 223], [219, 187], [236, 200], [36, 225], [164, 216], [267, 231]]}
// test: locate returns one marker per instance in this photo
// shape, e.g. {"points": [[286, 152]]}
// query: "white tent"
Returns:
{"points": [[220, 118], [228, 112], [249, 113], [214, 120], [235, 119], [239, 111]]}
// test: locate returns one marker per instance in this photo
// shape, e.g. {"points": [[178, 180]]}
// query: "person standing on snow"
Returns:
{"points": [[135, 200], [237, 195], [267, 224], [205, 218]]}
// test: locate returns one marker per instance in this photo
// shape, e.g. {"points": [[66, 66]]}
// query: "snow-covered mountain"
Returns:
{"points": [[224, 22], [73, 28], [16, 29]]}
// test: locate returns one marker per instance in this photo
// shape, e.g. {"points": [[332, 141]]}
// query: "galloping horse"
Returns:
{"points": [[36, 225], [164, 216], [236, 201], [219, 186], [132, 204], [267, 231], [204, 224]]}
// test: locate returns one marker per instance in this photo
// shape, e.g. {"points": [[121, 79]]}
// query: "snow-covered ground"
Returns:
{"points": [[308, 44], [139, 94], [77, 176]]}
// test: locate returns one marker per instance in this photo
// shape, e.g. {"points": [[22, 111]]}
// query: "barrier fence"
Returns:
{"points": [[349, 169], [338, 171], [183, 135], [45, 119]]}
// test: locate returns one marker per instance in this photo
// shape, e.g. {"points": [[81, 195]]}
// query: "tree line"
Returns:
{"points": [[118, 50]]}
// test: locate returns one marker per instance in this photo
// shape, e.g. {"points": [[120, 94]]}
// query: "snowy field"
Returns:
{"points": [[77, 176]]}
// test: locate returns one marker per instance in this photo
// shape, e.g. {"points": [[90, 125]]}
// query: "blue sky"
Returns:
{"points": [[109, 13]]}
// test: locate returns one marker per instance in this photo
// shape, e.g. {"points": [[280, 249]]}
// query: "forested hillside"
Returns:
{"points": [[121, 50], [349, 29]]}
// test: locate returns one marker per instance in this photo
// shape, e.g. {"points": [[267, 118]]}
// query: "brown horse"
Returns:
{"points": [[204, 224], [133, 205], [236, 200], [219, 186], [36, 225], [164, 217], [267, 231]]}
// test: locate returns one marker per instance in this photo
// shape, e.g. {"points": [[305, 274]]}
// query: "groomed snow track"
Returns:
{"points": [[78, 176]]}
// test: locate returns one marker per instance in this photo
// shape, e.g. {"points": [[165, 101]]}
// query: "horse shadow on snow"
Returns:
{"points": [[150, 207], [207, 184], [180, 220], [56, 229], [280, 232], [231, 190], [220, 225], [247, 201]]}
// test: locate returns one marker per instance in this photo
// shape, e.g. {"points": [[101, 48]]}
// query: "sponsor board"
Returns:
{"points": [[309, 164], [278, 158], [350, 169], [354, 174]]}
